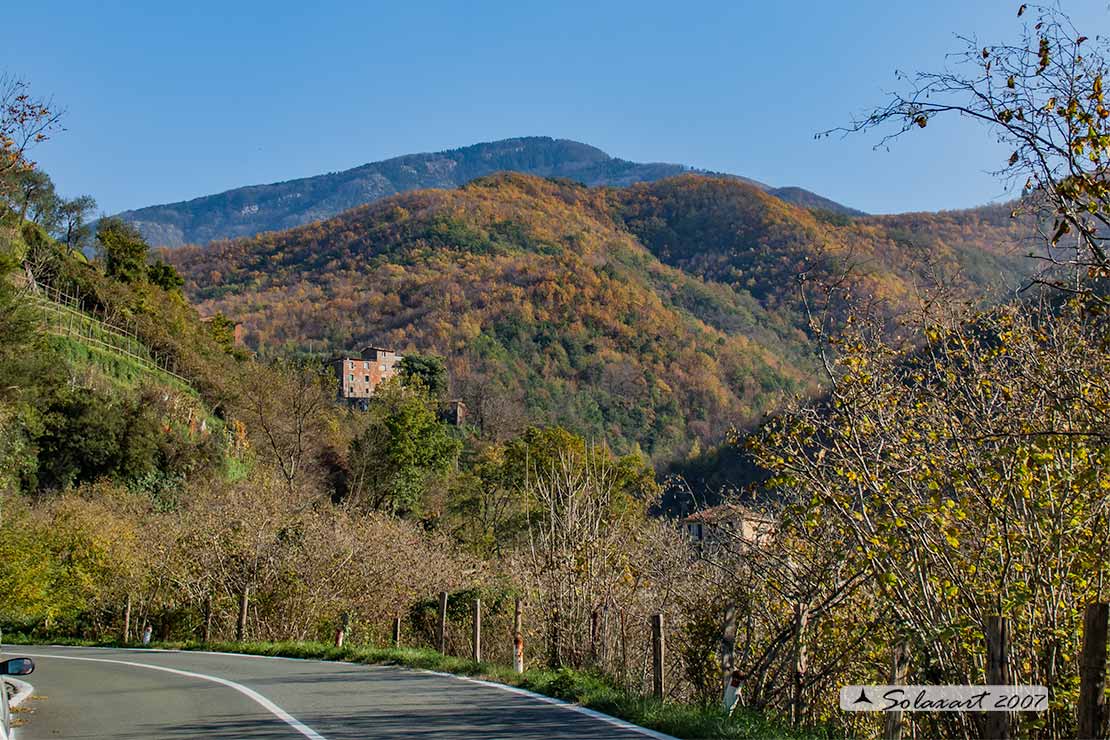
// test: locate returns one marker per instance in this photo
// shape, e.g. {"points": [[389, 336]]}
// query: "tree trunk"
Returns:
{"points": [[593, 636], [341, 631], [555, 653], [624, 648]]}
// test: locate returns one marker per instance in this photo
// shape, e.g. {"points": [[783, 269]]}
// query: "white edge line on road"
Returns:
{"points": [[560, 703], [609, 719], [274, 709]]}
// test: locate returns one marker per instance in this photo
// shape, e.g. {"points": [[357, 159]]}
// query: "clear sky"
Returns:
{"points": [[167, 102]]}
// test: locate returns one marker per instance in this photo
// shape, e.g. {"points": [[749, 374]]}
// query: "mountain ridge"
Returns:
{"points": [[253, 209]]}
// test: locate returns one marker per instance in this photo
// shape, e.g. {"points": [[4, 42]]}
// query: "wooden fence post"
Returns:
{"points": [[727, 655], [127, 620], [241, 624], [555, 651], [657, 655], [476, 633], [593, 636], [797, 700], [603, 637], [341, 631], [518, 637], [396, 632], [624, 646], [1092, 672], [997, 724], [899, 665], [443, 622], [207, 618]]}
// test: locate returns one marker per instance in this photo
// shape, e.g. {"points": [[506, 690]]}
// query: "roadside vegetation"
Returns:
{"points": [[949, 476], [584, 688]]}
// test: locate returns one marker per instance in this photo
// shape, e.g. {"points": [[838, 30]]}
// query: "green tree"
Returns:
{"points": [[165, 276], [72, 227], [27, 376], [404, 444], [428, 370], [33, 197], [124, 250], [88, 436]]}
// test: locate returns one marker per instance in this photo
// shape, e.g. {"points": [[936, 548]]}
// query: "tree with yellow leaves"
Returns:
{"points": [[968, 473], [1042, 96]]}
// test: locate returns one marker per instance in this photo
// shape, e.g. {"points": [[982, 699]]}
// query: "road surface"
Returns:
{"points": [[132, 694]]}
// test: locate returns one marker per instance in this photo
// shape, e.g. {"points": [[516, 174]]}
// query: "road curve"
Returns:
{"points": [[132, 694]]}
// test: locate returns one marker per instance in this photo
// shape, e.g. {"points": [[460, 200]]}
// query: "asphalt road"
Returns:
{"points": [[130, 694]]}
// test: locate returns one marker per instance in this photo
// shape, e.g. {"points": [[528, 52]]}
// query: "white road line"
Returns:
{"points": [[274, 709], [601, 716]]}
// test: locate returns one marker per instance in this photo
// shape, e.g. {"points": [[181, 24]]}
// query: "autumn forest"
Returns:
{"points": [[694, 451], [654, 317]]}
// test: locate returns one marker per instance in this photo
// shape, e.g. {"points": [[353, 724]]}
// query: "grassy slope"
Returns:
{"points": [[578, 687], [101, 358], [123, 371]]}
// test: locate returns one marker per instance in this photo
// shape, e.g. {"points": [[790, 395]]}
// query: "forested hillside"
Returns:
{"points": [[729, 232], [914, 459], [657, 315], [239, 500], [253, 209]]}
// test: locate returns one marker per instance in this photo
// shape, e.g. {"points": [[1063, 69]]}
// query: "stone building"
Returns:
{"points": [[728, 524], [359, 376]]}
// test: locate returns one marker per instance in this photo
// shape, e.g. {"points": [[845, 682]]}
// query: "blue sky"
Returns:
{"points": [[193, 98]]}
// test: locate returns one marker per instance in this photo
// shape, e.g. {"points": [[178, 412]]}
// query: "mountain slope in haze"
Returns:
{"points": [[654, 316], [251, 210]]}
